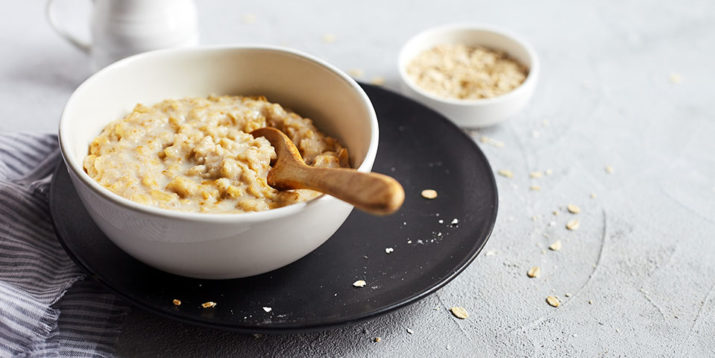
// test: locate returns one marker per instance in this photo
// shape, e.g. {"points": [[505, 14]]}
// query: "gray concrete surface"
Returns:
{"points": [[640, 270]]}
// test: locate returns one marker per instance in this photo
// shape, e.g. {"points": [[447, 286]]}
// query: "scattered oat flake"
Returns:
{"points": [[675, 78], [555, 212], [548, 172], [209, 304], [553, 301], [590, 302], [573, 224], [459, 312], [573, 209], [534, 272], [429, 194], [377, 339], [491, 141], [378, 80], [555, 246], [389, 250], [593, 195], [267, 309], [505, 173], [248, 18], [609, 169], [329, 38], [176, 302], [454, 221], [410, 331], [440, 221], [355, 72], [535, 175], [359, 283], [491, 253], [534, 188], [567, 294]]}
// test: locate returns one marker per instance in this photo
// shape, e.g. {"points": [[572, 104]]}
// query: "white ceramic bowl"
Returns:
{"points": [[217, 246], [480, 112]]}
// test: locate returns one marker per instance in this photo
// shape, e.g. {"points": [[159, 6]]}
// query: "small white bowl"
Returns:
{"points": [[217, 246], [478, 112]]}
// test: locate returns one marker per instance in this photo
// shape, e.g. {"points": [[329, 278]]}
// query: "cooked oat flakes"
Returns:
{"points": [[573, 209], [196, 154], [176, 302], [359, 283]]}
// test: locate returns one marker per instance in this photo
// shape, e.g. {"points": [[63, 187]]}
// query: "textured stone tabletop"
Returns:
{"points": [[624, 85]]}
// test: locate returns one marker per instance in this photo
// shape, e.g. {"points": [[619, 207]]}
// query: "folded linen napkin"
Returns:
{"points": [[46, 306]]}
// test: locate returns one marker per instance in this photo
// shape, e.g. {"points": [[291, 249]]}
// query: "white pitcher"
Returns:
{"points": [[120, 28]]}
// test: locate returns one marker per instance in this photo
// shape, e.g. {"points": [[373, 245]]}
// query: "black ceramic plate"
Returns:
{"points": [[418, 147]]}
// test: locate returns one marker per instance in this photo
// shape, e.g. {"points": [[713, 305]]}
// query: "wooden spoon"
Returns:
{"points": [[374, 193]]}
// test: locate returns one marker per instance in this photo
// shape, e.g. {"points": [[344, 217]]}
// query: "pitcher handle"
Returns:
{"points": [[51, 18]]}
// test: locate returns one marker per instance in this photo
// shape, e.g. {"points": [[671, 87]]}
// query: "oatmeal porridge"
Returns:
{"points": [[197, 154]]}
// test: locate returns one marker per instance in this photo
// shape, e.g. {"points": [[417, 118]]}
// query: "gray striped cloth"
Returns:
{"points": [[47, 308]]}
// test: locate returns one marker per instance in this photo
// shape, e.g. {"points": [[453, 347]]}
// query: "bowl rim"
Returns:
{"points": [[77, 170], [531, 77]]}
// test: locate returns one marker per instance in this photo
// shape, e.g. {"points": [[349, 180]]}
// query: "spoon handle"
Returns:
{"points": [[372, 192]]}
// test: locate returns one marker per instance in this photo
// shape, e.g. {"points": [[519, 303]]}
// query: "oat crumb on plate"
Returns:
{"points": [[377, 339], [609, 169], [389, 250], [208, 304], [267, 309], [176, 302], [429, 194], [410, 331], [359, 283], [459, 312], [535, 188], [535, 175], [573, 209]]}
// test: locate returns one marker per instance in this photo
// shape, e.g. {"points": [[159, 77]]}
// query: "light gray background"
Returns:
{"points": [[644, 255]]}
